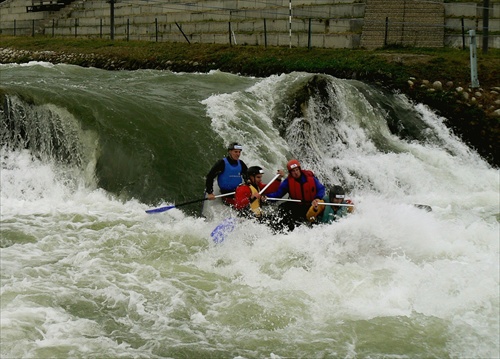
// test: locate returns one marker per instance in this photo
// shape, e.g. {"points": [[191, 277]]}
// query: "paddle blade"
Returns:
{"points": [[226, 226], [159, 210]]}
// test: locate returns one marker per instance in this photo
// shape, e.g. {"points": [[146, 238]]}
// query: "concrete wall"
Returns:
{"points": [[315, 23]]}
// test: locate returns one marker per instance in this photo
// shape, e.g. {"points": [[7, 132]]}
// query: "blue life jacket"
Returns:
{"points": [[230, 178]]}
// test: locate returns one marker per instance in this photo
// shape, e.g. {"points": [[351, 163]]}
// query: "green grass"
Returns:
{"points": [[395, 64]]}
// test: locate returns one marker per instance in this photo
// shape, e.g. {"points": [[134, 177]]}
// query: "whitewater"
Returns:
{"points": [[87, 273]]}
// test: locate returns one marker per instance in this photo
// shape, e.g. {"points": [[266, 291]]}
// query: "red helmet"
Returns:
{"points": [[292, 164]]}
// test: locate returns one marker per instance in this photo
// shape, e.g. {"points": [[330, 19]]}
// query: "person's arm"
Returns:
{"points": [[244, 168], [273, 187], [242, 197], [217, 168], [320, 189], [282, 190]]}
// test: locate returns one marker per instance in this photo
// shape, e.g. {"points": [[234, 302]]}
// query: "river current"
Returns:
{"points": [[86, 273]]}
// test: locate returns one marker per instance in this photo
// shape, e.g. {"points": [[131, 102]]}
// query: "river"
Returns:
{"points": [[87, 273]]}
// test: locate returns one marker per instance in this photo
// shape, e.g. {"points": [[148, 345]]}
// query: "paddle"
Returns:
{"points": [[228, 225], [320, 203], [166, 208], [420, 206]]}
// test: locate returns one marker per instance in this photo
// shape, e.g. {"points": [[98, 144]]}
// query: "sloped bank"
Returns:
{"points": [[476, 122]]}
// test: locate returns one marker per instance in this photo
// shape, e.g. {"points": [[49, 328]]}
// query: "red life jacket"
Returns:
{"points": [[304, 191]]}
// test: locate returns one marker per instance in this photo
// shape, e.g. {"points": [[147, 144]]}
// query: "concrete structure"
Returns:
{"points": [[296, 23]]}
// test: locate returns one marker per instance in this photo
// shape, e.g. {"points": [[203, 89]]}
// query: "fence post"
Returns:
{"points": [[14, 27], [182, 32], [128, 29], [76, 26], [463, 34], [290, 20], [309, 36], [100, 29], [230, 40], [386, 30], [486, 15], [53, 26], [112, 19], [473, 60], [32, 28], [156, 29], [265, 33]]}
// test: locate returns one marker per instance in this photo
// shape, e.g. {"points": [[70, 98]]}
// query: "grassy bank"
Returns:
{"points": [[472, 116]]}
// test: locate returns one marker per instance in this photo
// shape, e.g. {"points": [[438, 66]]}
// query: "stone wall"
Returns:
{"points": [[313, 23]]}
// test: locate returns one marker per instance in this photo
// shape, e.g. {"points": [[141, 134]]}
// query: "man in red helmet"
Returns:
{"points": [[303, 187]]}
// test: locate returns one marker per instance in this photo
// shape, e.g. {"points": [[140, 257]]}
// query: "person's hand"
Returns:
{"points": [[263, 198], [281, 173], [315, 204], [211, 196], [255, 196]]}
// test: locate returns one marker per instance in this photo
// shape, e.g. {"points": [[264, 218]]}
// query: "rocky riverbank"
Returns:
{"points": [[473, 114]]}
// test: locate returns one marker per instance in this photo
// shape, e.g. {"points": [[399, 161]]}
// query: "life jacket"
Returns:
{"points": [[255, 205], [230, 178], [304, 191]]}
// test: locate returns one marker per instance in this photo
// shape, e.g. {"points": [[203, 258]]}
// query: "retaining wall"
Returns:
{"points": [[314, 23]]}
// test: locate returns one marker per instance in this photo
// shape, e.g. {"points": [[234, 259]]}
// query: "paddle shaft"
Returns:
{"points": [[270, 182], [203, 199], [320, 203], [166, 208]]}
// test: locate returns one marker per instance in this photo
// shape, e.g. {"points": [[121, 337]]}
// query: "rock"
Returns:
{"points": [[478, 94], [425, 82], [496, 113], [437, 85], [459, 89]]}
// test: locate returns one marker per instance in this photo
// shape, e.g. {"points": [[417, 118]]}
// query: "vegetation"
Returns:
{"points": [[389, 68]]}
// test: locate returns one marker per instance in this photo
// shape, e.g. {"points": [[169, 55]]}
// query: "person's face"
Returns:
{"points": [[295, 172], [235, 154], [257, 179], [337, 200]]}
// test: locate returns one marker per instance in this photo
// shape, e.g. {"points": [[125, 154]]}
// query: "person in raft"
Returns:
{"points": [[229, 172], [330, 213], [301, 185], [248, 196]]}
